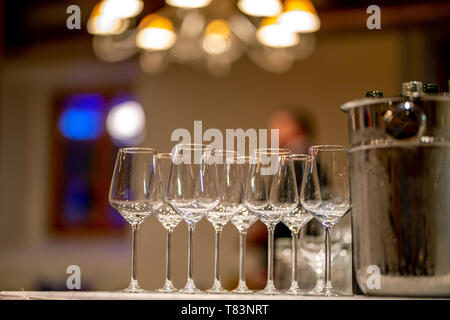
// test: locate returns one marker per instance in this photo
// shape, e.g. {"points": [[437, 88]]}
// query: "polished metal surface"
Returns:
{"points": [[400, 186]]}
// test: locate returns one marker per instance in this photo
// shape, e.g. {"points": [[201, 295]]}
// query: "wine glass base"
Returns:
{"points": [[217, 291], [167, 288], [190, 290], [217, 288], [325, 292], [133, 287], [296, 292], [242, 290], [270, 289]]}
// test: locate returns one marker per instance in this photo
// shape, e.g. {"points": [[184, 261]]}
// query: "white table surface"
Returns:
{"points": [[100, 295]]}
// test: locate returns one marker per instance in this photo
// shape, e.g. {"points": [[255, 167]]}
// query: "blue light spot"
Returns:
{"points": [[82, 118]]}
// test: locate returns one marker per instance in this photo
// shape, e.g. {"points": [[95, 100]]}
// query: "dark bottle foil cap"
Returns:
{"points": [[374, 93], [430, 88]]}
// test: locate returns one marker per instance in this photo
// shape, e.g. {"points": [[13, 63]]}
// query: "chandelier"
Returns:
{"points": [[205, 34]]}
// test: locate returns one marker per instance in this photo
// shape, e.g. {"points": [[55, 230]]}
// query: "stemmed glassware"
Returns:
{"points": [[166, 215], [229, 173], [135, 193], [243, 221], [271, 192], [295, 220], [192, 192], [325, 192]]}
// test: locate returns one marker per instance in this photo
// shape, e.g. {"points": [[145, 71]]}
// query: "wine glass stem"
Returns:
{"points": [[327, 258], [270, 231], [191, 254], [217, 257], [134, 231], [169, 256], [294, 236], [242, 238]]}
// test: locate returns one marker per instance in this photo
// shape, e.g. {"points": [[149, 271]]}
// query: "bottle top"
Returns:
{"points": [[374, 94], [412, 89], [430, 88]]}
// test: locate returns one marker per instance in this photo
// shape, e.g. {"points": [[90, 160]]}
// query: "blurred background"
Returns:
{"points": [[71, 97]]}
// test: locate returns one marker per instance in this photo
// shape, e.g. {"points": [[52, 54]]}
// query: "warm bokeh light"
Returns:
{"points": [[105, 25], [217, 39], [126, 121], [155, 33], [300, 16], [106, 22], [272, 34], [122, 8], [189, 4], [260, 8]]}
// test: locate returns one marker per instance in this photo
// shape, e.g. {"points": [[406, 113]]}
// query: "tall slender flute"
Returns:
{"points": [[192, 192], [168, 217], [271, 192], [231, 194], [135, 193], [243, 221], [295, 220]]}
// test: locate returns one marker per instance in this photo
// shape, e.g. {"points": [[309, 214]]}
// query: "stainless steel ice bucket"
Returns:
{"points": [[400, 187]]}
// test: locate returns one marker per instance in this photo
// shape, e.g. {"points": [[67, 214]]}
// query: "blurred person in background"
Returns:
{"points": [[296, 133]]}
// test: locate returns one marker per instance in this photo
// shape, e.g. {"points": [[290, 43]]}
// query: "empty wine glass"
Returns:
{"points": [[325, 192], [192, 192], [167, 216], [229, 173], [295, 220], [135, 193], [271, 192], [242, 221]]}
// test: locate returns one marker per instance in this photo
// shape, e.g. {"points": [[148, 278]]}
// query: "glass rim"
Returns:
{"points": [[226, 153], [274, 151], [245, 158], [300, 156], [137, 150], [164, 155], [328, 147], [193, 146]]}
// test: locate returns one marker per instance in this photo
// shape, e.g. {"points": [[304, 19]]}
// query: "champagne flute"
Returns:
{"points": [[135, 193], [295, 220], [243, 221], [192, 192], [271, 192], [229, 173], [168, 217], [325, 192]]}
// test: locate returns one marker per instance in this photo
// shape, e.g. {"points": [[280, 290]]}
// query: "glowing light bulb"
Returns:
{"points": [[105, 25], [260, 8], [273, 34], [300, 16], [125, 121], [105, 22], [155, 33], [188, 4], [217, 39], [122, 8]]}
